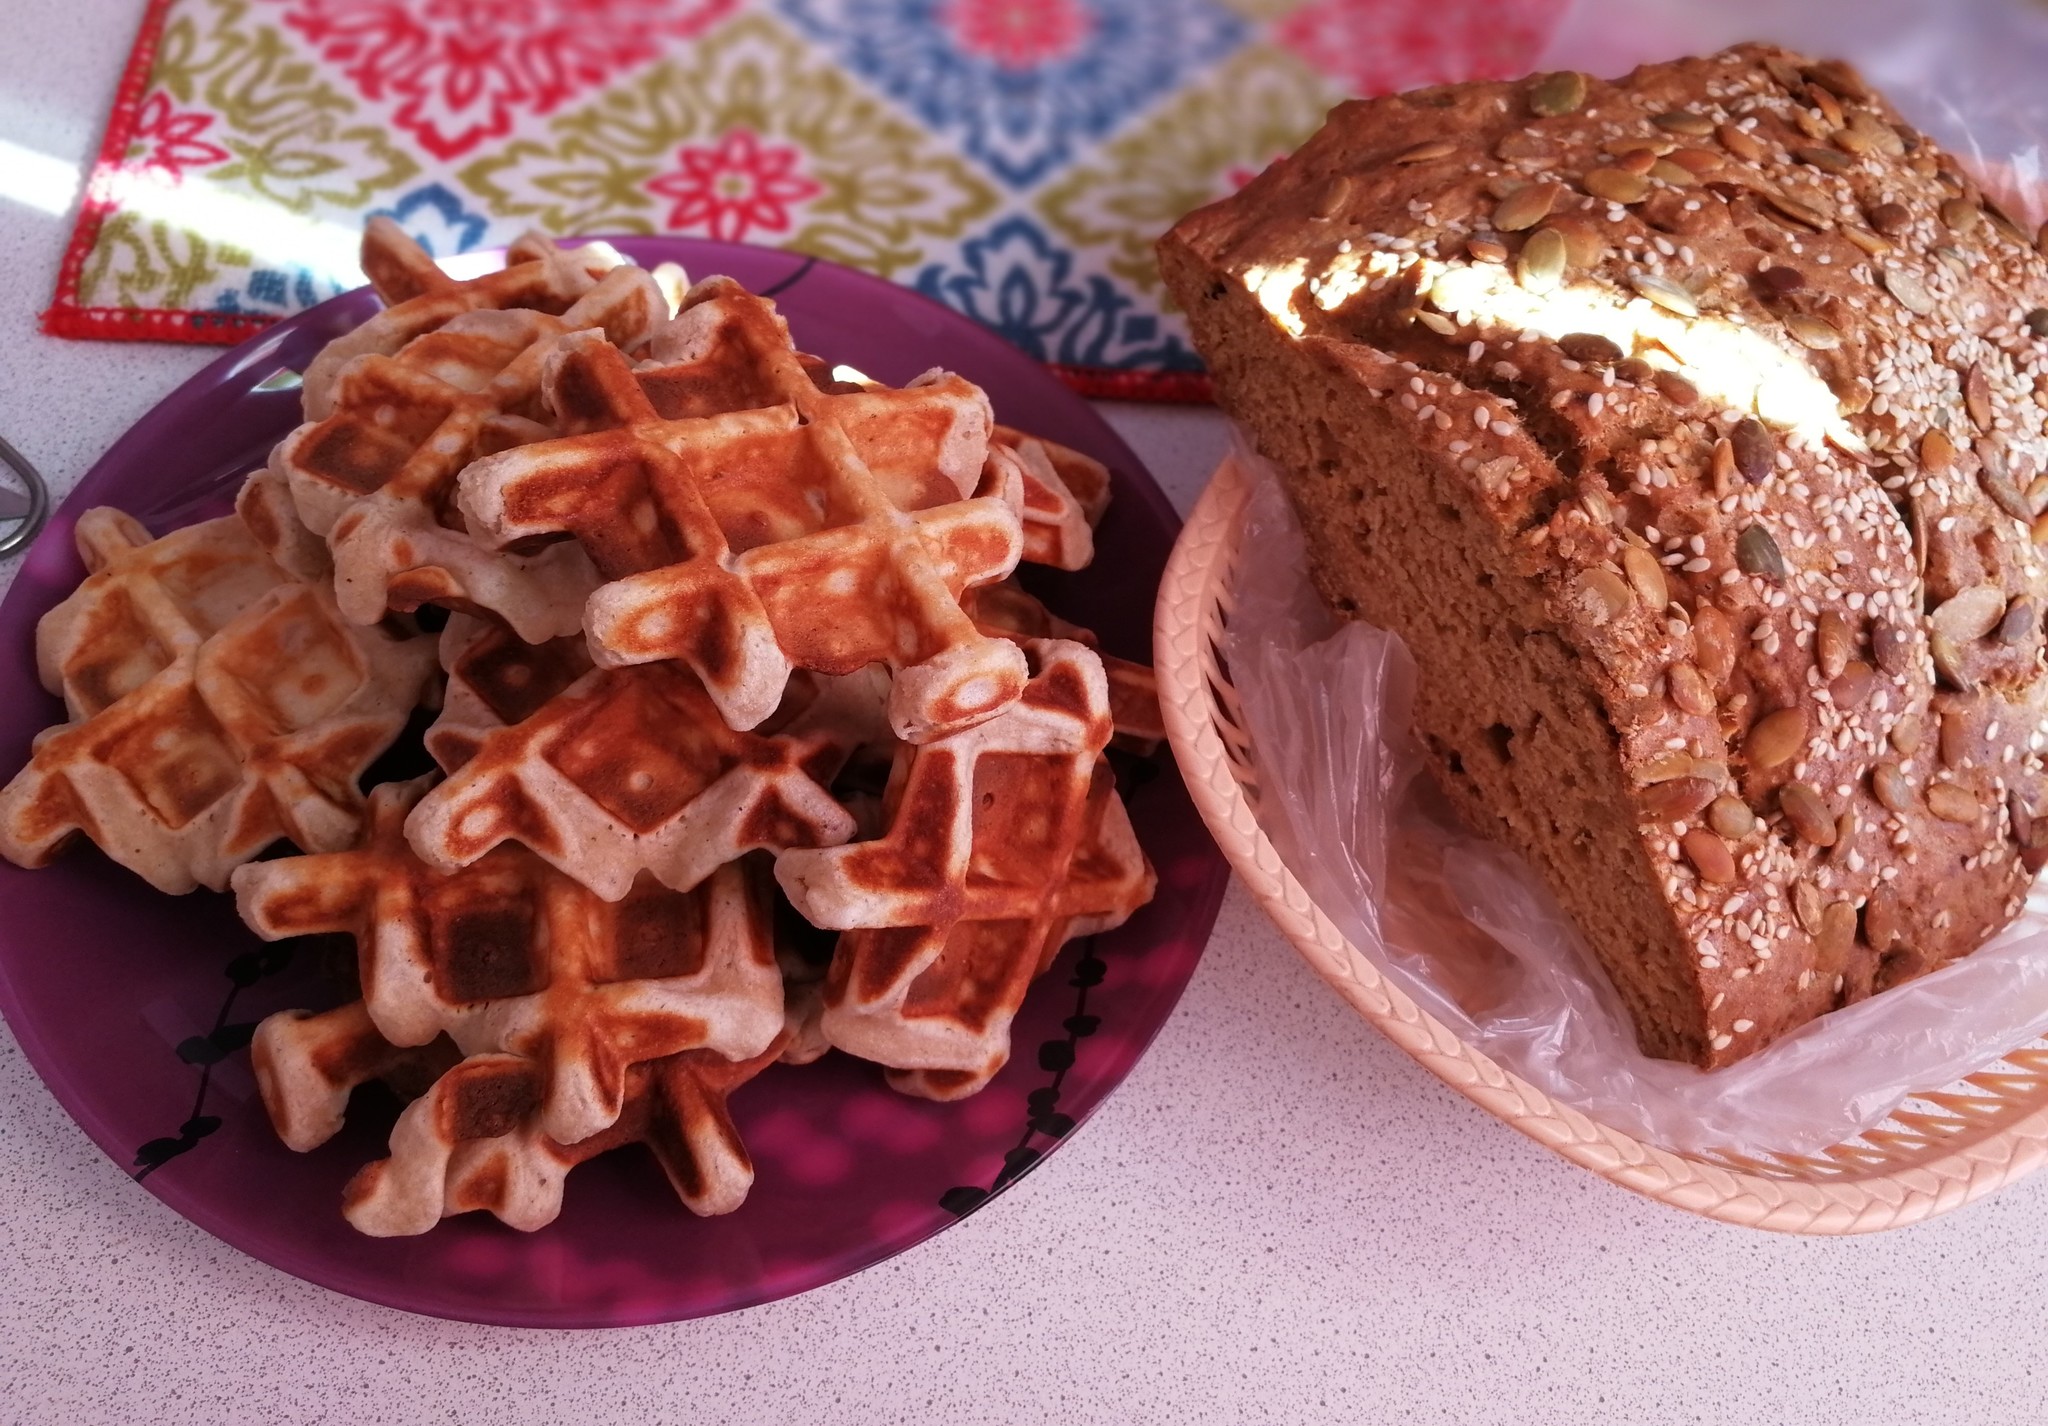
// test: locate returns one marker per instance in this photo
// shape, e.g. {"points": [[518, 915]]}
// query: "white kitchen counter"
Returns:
{"points": [[1277, 1218]]}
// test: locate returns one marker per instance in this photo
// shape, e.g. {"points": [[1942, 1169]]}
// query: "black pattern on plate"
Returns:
{"points": [[790, 281], [210, 1049], [1055, 1057]]}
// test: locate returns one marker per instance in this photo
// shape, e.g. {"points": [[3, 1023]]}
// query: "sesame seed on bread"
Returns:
{"points": [[1690, 429]]}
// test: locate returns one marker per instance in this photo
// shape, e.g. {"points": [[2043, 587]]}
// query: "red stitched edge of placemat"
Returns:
{"points": [[1110, 384], [66, 318], [151, 324]]}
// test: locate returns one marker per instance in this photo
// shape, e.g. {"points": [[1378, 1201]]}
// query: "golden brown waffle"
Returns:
{"points": [[805, 955], [803, 1015], [768, 525], [495, 679], [217, 706], [266, 507], [508, 955], [374, 474], [418, 297], [473, 1140], [1064, 496], [1008, 610], [1000, 843], [1064, 493], [1085, 479], [307, 1065], [470, 1143], [630, 770]]}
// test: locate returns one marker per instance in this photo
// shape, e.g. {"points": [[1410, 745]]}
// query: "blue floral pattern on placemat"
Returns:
{"points": [[1016, 280], [437, 221], [1022, 87], [276, 293]]}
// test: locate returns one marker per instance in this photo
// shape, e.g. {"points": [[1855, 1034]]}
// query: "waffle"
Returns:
{"points": [[1010, 611], [1064, 496], [307, 1065], [1001, 842], [446, 1159], [474, 1140], [374, 474], [630, 770], [768, 524], [267, 509], [495, 679], [805, 955], [216, 706], [803, 1014], [1063, 492], [418, 297], [706, 591], [509, 956]]}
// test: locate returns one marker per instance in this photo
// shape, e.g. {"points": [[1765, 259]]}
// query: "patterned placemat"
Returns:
{"points": [[1012, 158]]}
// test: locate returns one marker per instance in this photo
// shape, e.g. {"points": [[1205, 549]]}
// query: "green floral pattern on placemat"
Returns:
{"points": [[750, 138], [295, 139], [232, 105], [1203, 146]]}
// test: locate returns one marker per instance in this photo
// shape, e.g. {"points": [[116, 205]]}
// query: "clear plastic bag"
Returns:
{"points": [[1472, 935]]}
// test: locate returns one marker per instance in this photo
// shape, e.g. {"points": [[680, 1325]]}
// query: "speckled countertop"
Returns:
{"points": [[1277, 1218]]}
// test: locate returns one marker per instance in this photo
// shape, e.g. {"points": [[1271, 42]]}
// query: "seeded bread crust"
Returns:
{"points": [[1690, 428]]}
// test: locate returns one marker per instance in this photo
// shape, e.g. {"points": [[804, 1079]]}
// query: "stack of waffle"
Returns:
{"points": [[703, 599]]}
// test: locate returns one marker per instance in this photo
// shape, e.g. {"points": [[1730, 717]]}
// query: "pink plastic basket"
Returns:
{"points": [[1941, 1149]]}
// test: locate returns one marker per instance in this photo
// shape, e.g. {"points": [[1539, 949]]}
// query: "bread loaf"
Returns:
{"points": [[1689, 428]]}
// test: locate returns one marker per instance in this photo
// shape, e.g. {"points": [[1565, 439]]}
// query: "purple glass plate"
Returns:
{"points": [[122, 997]]}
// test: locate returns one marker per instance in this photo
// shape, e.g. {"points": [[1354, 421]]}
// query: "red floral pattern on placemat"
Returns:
{"points": [[1018, 34], [1011, 158], [463, 71], [738, 189], [168, 143], [1379, 49]]}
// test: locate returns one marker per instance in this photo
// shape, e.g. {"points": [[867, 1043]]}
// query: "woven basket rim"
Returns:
{"points": [[1873, 1182]]}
